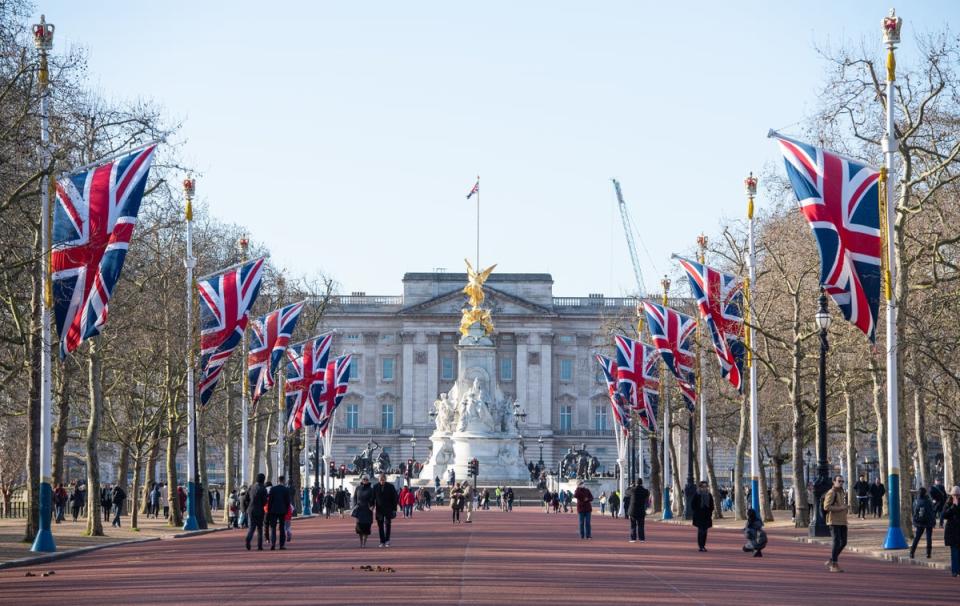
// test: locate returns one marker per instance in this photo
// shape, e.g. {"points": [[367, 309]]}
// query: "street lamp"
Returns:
{"points": [[806, 460], [665, 401], [540, 444], [818, 523]]}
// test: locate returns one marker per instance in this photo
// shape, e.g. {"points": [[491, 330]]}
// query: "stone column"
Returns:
{"points": [[433, 378], [546, 379], [523, 389], [406, 372]]}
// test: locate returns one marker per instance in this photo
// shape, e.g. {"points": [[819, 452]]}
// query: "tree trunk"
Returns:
{"points": [[920, 428], [714, 488], [678, 496], [204, 482], [176, 515], [150, 470], [764, 501], [256, 445], [739, 495], [62, 427], [268, 452], [779, 500], [949, 441], [94, 514], [123, 467], [656, 474], [229, 473], [849, 445], [801, 519], [33, 409], [135, 490]]}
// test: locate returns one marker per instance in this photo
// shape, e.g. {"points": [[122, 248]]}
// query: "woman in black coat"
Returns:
{"points": [[951, 530], [702, 514], [363, 509]]}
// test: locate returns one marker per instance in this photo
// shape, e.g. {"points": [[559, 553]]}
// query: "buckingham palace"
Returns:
{"points": [[404, 352]]}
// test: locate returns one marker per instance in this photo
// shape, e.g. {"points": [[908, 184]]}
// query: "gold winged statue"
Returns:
{"points": [[475, 296]]}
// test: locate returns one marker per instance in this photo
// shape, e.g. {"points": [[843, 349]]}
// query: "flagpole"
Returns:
{"points": [[640, 397], [306, 471], [888, 178], [702, 245], [281, 375], [244, 243], [478, 222], [190, 515], [43, 541], [751, 184], [665, 401]]}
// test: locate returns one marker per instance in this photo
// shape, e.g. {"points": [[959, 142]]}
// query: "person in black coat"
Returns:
{"points": [[636, 504], [117, 497], [951, 531], [363, 509], [924, 519], [862, 491], [702, 514], [278, 503], [256, 499], [385, 500], [877, 491]]}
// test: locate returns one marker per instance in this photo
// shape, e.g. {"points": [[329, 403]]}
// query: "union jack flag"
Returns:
{"points": [[226, 301], [270, 337], [672, 334], [638, 379], [720, 300], [306, 369], [335, 383], [475, 190], [94, 214], [617, 402], [840, 199]]}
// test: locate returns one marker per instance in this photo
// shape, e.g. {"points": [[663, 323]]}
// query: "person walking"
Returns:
{"points": [[547, 497], [614, 502], [117, 497], [938, 493], [756, 537], [385, 500], [638, 498], [255, 501], [584, 508], [861, 489], [835, 506], [165, 500], [468, 493], [60, 502], [603, 503], [76, 500], [278, 502], [702, 514], [406, 502], [951, 529], [363, 509], [924, 519], [876, 498], [456, 502], [106, 501]]}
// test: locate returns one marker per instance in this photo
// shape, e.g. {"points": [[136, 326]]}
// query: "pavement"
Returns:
{"points": [[522, 557]]}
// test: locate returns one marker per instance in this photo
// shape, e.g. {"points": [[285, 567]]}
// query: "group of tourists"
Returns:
{"points": [[272, 504], [111, 502], [869, 497], [375, 502]]}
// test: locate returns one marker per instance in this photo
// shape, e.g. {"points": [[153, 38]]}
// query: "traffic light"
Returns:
{"points": [[409, 470], [473, 467], [343, 471], [333, 469]]}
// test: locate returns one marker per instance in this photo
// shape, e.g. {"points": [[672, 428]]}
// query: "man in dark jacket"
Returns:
{"points": [[118, 496], [385, 500], [924, 519], [637, 500], [862, 491], [702, 514], [876, 498], [938, 492], [278, 502], [256, 499]]}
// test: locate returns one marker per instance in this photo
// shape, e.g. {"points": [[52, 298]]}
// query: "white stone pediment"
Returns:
{"points": [[501, 303]]}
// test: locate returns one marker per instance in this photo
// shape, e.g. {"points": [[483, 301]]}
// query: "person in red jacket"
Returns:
{"points": [[584, 497], [407, 500]]}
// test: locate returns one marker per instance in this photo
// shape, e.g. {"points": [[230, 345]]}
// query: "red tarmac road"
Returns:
{"points": [[524, 557]]}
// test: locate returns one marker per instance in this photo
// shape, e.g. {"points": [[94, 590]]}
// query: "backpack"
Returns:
{"points": [[921, 514]]}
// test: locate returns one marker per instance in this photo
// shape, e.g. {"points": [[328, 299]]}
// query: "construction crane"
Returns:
{"points": [[631, 245]]}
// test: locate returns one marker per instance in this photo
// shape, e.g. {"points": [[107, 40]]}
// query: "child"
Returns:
{"points": [[287, 519], [756, 537]]}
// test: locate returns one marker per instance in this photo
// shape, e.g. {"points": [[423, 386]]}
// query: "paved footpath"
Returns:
{"points": [[524, 557]]}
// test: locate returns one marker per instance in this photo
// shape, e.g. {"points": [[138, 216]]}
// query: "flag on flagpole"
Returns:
{"points": [[841, 200], [720, 301], [672, 334], [94, 214], [270, 337], [638, 379], [226, 299], [475, 190], [335, 382], [306, 368], [617, 402]]}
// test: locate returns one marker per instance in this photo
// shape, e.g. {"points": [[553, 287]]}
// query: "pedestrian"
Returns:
{"points": [[117, 497], [278, 502], [584, 508], [456, 502], [702, 514], [835, 506], [468, 493], [603, 503], [76, 500], [876, 498], [756, 537], [614, 503], [636, 501], [341, 501], [165, 500], [924, 519], [59, 502], [406, 495], [363, 509], [329, 504], [547, 497], [939, 495], [182, 497], [244, 504], [509, 498], [256, 500], [951, 530], [106, 501], [861, 489], [233, 509], [288, 522], [385, 500]]}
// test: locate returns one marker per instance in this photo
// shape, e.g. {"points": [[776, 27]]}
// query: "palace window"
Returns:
{"points": [[356, 365], [446, 368], [506, 369], [600, 418], [566, 418], [566, 369], [353, 416], [386, 417], [387, 368]]}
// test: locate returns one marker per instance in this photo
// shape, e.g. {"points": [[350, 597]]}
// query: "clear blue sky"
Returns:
{"points": [[346, 135]]}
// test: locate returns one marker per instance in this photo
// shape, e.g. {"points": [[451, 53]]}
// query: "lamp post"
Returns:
{"points": [[750, 183], [665, 399], [413, 458], [702, 245], [818, 524], [245, 476], [305, 492], [540, 444], [43, 541], [190, 521]]}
